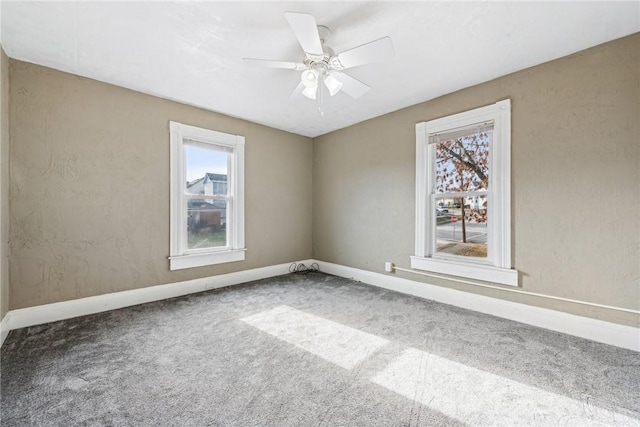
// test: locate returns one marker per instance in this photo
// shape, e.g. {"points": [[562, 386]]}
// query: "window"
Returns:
{"points": [[207, 197], [463, 195]]}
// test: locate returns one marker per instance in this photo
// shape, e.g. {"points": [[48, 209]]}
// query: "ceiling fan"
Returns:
{"points": [[321, 65]]}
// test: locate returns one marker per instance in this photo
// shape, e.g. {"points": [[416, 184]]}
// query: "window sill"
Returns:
{"points": [[486, 273], [209, 258]]}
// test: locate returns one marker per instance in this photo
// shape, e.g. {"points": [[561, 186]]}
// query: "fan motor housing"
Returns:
{"points": [[328, 59], [312, 60], [324, 33]]}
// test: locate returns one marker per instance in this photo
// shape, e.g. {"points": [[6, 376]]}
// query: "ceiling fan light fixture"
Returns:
{"points": [[309, 78], [321, 66], [334, 85]]}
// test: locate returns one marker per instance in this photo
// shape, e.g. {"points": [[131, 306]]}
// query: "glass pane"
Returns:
{"points": [[462, 164], [461, 226], [207, 170], [206, 223]]}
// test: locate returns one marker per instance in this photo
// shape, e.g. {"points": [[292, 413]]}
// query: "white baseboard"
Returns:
{"points": [[4, 328], [584, 327], [37, 315]]}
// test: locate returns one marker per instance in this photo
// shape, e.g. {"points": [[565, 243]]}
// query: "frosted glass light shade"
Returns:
{"points": [[310, 92], [334, 85], [309, 78]]}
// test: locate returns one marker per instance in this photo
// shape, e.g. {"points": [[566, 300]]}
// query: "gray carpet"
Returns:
{"points": [[310, 350]]}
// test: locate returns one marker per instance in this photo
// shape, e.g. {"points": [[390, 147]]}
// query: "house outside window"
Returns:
{"points": [[463, 176], [207, 197]]}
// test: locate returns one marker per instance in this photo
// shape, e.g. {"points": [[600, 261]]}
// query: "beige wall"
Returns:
{"points": [[89, 188], [575, 181], [4, 183]]}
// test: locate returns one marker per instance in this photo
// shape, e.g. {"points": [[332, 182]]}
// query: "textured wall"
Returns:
{"points": [[90, 188], [4, 183], [575, 181]]}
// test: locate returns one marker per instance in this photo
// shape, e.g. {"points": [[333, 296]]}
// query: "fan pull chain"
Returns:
{"points": [[320, 95]]}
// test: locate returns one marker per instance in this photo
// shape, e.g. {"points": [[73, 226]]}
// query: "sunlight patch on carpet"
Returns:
{"points": [[336, 343], [476, 397]]}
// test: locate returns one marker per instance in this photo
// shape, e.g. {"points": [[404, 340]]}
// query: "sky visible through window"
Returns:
{"points": [[202, 160]]}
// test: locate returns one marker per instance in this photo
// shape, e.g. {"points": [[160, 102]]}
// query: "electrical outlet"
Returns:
{"points": [[388, 266]]}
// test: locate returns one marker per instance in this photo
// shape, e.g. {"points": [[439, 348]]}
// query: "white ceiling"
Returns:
{"points": [[191, 51]]}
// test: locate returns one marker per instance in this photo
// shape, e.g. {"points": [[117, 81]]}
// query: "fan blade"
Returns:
{"points": [[351, 86], [306, 30], [275, 64], [377, 50]]}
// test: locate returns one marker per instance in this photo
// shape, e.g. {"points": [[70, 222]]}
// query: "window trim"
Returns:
{"points": [[180, 257], [497, 267]]}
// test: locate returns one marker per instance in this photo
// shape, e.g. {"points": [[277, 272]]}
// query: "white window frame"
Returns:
{"points": [[180, 256], [497, 266]]}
